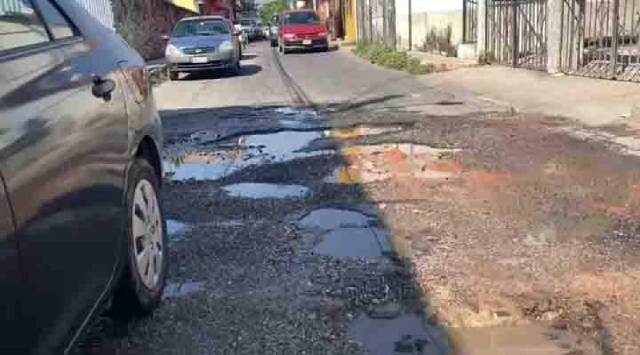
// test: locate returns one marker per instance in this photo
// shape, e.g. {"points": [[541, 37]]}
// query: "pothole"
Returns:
{"points": [[373, 163], [176, 230], [353, 242], [235, 154], [343, 233], [333, 218], [266, 191], [404, 334], [182, 289], [520, 339]]}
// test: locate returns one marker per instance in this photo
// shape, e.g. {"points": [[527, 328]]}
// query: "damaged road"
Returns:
{"points": [[386, 218]]}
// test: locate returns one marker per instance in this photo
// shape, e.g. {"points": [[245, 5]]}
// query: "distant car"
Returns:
{"points": [[300, 30], [203, 43], [249, 27], [81, 223], [273, 30]]}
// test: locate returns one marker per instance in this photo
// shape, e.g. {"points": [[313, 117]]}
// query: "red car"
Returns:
{"points": [[301, 29]]}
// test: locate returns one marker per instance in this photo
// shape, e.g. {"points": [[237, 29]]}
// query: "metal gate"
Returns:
{"points": [[601, 38], [517, 33], [470, 21]]}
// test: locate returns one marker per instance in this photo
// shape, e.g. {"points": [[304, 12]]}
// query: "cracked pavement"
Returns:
{"points": [[321, 205]]}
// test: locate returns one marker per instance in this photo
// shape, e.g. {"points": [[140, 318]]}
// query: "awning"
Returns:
{"points": [[185, 4]]}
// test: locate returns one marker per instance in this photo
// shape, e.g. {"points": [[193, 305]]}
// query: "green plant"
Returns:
{"points": [[387, 56], [439, 41]]}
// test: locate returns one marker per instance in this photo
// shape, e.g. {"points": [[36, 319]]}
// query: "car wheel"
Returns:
{"points": [[144, 276], [173, 75]]}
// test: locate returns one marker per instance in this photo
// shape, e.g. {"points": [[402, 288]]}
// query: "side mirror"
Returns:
{"points": [[165, 37]]}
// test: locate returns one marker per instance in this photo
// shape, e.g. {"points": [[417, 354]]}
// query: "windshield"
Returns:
{"points": [[301, 18], [200, 28], [246, 22]]}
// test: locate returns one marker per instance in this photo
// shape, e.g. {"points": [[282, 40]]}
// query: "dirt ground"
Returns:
{"points": [[511, 221]]}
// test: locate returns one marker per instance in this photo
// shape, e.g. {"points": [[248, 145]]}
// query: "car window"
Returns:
{"points": [[301, 18], [200, 28], [20, 25], [57, 23]]}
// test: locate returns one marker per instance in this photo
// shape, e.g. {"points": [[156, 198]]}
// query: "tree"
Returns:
{"points": [[269, 9]]}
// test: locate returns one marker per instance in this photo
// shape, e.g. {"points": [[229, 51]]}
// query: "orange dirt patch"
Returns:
{"points": [[477, 178]]}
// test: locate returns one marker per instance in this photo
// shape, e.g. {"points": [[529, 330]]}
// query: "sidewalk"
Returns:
{"points": [[443, 63], [592, 102]]}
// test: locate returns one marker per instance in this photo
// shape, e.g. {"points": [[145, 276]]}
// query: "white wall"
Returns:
{"points": [[434, 6]]}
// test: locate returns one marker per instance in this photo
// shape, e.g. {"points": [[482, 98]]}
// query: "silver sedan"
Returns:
{"points": [[203, 43]]}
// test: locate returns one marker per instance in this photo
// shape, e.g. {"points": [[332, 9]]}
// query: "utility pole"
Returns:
{"points": [[410, 27]]}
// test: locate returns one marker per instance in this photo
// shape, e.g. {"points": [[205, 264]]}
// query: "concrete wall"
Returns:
{"points": [[425, 16]]}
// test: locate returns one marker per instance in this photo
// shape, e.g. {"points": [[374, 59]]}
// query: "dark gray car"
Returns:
{"points": [[80, 218]]}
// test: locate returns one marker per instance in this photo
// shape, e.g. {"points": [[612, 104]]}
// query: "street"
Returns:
{"points": [[318, 204]]}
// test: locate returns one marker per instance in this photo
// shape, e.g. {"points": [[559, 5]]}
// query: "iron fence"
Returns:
{"points": [[517, 33], [470, 21], [601, 38], [376, 21]]}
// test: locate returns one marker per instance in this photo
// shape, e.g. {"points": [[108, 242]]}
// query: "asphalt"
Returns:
{"points": [[318, 204]]}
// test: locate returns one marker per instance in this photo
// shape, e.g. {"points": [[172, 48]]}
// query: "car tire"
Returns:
{"points": [[140, 292], [173, 75]]}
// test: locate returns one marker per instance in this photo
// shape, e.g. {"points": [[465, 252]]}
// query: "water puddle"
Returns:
{"points": [[176, 230], [234, 154], [179, 290], [404, 334], [333, 218], [343, 233], [272, 191], [353, 242], [521, 339]]}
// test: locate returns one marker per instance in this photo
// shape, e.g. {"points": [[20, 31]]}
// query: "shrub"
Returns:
{"points": [[387, 56]]}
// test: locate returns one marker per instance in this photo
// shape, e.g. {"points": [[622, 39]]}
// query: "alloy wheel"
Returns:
{"points": [[147, 234]]}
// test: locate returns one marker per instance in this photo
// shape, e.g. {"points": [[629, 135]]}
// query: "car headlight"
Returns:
{"points": [[226, 46], [290, 36], [173, 51]]}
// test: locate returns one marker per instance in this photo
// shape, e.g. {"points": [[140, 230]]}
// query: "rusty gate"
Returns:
{"points": [[601, 38], [517, 33]]}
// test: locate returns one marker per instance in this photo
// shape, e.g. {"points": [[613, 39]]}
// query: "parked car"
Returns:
{"points": [[80, 139], [249, 27], [203, 43], [273, 30], [301, 29]]}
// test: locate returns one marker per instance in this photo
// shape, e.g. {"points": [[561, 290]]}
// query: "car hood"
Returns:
{"points": [[304, 29], [199, 41]]}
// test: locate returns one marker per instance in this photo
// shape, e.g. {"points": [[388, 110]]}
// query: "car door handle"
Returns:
{"points": [[102, 88]]}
